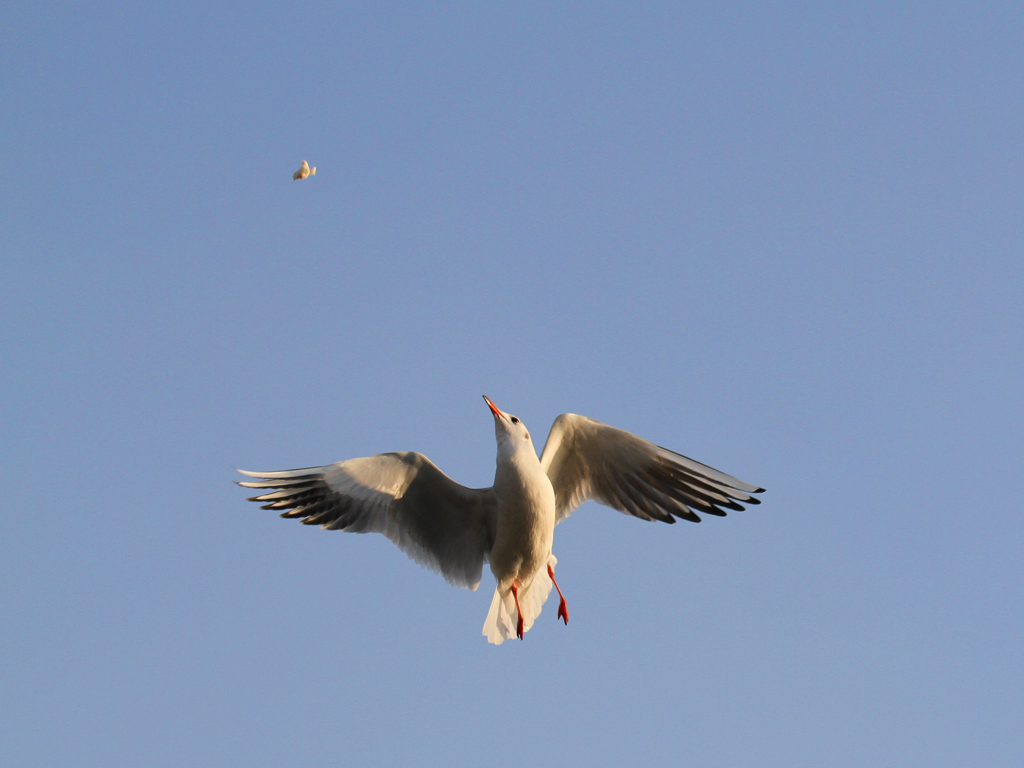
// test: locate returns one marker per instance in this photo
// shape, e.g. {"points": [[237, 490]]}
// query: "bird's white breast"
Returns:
{"points": [[526, 519]]}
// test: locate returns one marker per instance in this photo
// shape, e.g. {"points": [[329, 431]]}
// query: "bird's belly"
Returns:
{"points": [[523, 540]]}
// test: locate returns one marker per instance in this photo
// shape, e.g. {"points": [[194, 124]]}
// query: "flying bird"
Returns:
{"points": [[304, 171], [454, 530]]}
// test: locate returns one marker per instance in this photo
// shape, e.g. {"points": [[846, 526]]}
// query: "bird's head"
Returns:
{"points": [[509, 431]]}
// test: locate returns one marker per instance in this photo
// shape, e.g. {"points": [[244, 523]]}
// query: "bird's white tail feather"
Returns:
{"points": [[502, 617]]}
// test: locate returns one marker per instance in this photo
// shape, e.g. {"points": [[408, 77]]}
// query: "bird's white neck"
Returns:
{"points": [[519, 452]]}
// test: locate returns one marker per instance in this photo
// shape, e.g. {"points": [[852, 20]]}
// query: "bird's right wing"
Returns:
{"points": [[585, 459], [437, 522]]}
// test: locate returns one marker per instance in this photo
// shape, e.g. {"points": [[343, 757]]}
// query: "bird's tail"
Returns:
{"points": [[502, 618], [312, 171]]}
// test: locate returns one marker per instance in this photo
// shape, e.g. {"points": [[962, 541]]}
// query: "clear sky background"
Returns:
{"points": [[785, 240]]}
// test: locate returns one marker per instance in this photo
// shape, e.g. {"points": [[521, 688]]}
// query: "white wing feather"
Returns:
{"points": [[437, 522], [585, 459]]}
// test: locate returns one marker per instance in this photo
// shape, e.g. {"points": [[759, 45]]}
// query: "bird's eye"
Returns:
{"points": [[515, 420]]}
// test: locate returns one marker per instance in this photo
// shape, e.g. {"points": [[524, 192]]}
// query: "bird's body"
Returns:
{"points": [[526, 517], [453, 529], [524, 533], [304, 171]]}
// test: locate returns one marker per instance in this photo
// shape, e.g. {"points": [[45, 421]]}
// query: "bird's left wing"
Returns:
{"points": [[437, 522], [585, 459]]}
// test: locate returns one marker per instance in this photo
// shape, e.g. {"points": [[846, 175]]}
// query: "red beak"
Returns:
{"points": [[493, 407]]}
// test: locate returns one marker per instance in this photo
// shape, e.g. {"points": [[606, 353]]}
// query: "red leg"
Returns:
{"points": [[519, 623], [563, 610]]}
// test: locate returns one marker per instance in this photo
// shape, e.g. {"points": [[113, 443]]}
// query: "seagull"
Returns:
{"points": [[304, 171], [453, 529]]}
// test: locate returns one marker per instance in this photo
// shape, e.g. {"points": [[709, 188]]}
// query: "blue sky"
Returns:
{"points": [[782, 239]]}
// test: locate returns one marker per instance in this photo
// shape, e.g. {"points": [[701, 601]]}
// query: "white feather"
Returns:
{"points": [[304, 171], [500, 624]]}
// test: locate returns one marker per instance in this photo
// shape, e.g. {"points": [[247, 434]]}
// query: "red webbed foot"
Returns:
{"points": [[563, 609], [519, 623]]}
